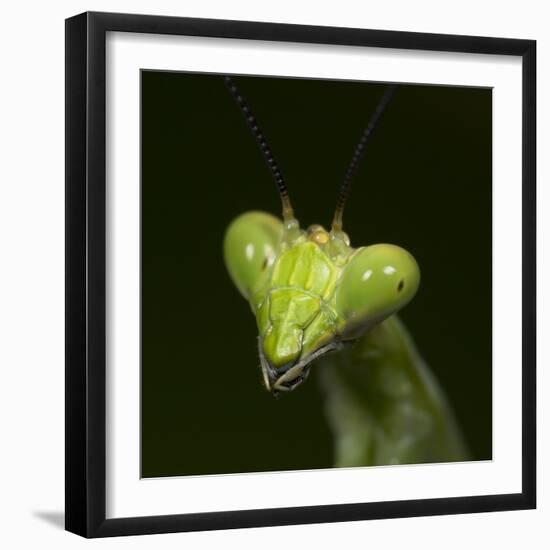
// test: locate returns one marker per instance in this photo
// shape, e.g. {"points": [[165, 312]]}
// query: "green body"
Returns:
{"points": [[384, 405], [313, 294]]}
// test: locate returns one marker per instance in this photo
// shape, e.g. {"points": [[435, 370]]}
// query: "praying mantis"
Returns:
{"points": [[320, 302]]}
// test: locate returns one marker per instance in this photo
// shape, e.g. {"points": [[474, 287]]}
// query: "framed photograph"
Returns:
{"points": [[300, 277]]}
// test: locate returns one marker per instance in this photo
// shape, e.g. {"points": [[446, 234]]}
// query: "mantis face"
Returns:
{"points": [[310, 291]]}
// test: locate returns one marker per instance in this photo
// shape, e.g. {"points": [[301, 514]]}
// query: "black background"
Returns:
{"points": [[425, 184]]}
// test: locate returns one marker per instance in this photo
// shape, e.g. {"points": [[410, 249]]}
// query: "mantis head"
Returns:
{"points": [[310, 291]]}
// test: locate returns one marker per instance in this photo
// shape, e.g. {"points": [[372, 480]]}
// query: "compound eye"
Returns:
{"points": [[377, 281], [250, 247]]}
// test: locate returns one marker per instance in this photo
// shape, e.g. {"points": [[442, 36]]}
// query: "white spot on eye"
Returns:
{"points": [[389, 270], [249, 251], [269, 254], [366, 275]]}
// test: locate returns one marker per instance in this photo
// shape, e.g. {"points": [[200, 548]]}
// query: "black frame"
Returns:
{"points": [[85, 274]]}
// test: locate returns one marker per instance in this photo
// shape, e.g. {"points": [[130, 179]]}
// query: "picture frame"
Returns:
{"points": [[89, 439]]}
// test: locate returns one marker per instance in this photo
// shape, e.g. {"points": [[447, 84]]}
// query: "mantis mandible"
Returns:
{"points": [[317, 299]]}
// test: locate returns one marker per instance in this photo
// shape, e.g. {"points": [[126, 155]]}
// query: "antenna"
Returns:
{"points": [[358, 155], [288, 213]]}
